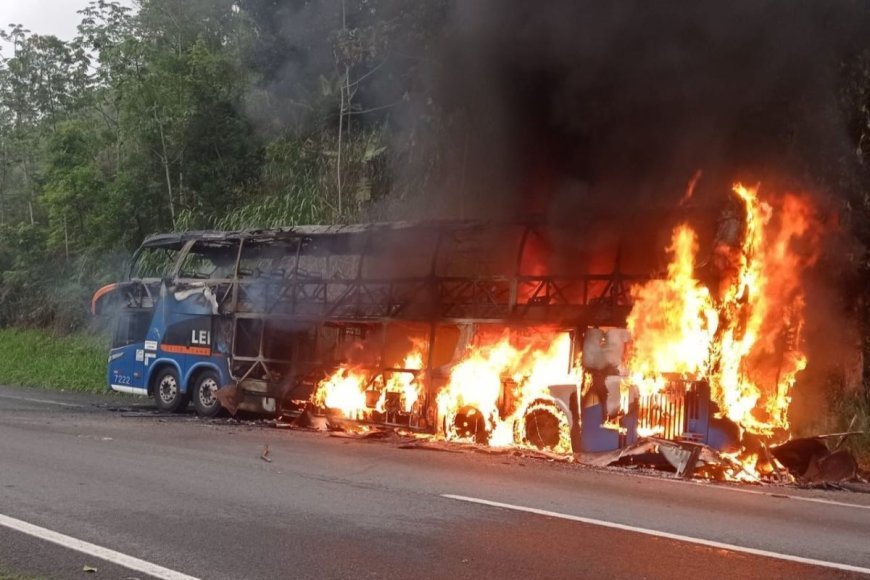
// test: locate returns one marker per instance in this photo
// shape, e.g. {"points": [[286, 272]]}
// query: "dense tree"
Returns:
{"points": [[190, 114]]}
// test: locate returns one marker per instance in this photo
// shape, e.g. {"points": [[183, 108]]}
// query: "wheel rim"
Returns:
{"points": [[168, 389], [207, 389]]}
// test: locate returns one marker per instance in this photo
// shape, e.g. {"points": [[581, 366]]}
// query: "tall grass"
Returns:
{"points": [[36, 358], [851, 411], [7, 575]]}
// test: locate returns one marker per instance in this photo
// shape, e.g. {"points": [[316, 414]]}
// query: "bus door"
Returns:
{"points": [[128, 357]]}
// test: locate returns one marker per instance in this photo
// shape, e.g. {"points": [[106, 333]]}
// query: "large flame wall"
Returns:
{"points": [[733, 318], [744, 336]]}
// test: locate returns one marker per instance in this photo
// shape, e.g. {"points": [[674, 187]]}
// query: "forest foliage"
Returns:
{"points": [[188, 114]]}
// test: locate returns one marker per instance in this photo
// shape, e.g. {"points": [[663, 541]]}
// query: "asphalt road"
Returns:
{"points": [[196, 498]]}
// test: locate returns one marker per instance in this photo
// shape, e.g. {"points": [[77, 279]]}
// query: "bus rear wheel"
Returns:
{"points": [[167, 392], [204, 399]]}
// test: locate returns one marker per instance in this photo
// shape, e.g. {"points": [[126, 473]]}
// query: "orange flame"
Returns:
{"points": [[404, 383], [345, 390], [479, 380], [742, 336], [760, 354], [673, 321], [746, 342]]}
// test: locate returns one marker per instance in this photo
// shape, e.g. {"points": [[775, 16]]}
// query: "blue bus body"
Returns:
{"points": [[176, 333]]}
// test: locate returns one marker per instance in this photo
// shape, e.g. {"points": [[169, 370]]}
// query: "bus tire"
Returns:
{"points": [[204, 400], [167, 392]]}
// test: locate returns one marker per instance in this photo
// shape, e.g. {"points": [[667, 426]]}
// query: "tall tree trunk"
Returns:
{"points": [[164, 158], [29, 189], [340, 144], [3, 186], [344, 91], [66, 238]]}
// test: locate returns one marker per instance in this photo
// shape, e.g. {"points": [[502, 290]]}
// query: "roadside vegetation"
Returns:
{"points": [[38, 358], [7, 575], [850, 413], [14, 576]]}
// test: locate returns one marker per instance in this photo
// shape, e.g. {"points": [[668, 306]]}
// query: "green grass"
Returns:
{"points": [[36, 358], [850, 411], [7, 575], [859, 445]]}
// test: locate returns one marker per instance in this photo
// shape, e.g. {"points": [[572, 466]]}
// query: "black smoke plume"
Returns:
{"points": [[571, 107]]}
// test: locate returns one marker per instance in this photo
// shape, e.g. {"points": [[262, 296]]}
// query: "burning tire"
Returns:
{"points": [[544, 425], [468, 424]]}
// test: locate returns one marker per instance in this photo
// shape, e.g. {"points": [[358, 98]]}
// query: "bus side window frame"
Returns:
{"points": [[235, 248], [170, 271], [172, 275]]}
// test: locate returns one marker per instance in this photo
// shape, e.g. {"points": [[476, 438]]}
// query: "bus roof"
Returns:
{"points": [[179, 238]]}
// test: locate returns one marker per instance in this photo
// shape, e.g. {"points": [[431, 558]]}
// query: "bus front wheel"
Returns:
{"points": [[167, 392], [204, 399]]}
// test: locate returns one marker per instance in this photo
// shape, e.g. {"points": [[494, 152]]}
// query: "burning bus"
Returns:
{"points": [[502, 334], [369, 321]]}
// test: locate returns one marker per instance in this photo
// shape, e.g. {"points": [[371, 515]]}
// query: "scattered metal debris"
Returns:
{"points": [[307, 420], [805, 461], [374, 434], [430, 446], [682, 455], [230, 397]]}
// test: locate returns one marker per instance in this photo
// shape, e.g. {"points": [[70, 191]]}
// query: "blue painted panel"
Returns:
{"points": [[593, 437], [723, 434], [126, 367]]}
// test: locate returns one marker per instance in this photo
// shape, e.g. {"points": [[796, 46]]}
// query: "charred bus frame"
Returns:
{"points": [[288, 300]]}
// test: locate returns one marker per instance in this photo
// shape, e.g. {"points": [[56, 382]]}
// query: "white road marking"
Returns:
{"points": [[93, 550], [771, 494], [32, 400], [660, 534]]}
